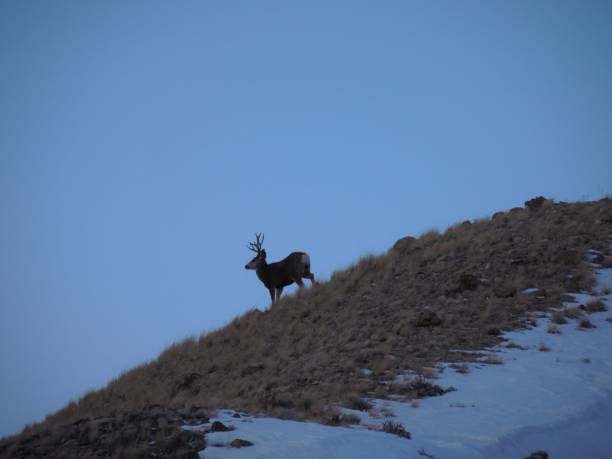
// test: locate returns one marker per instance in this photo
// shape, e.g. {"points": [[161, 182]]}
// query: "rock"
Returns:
{"points": [[427, 318], [538, 455], [219, 427], [404, 434], [467, 282], [504, 291], [403, 244], [536, 203], [240, 443], [498, 215]]}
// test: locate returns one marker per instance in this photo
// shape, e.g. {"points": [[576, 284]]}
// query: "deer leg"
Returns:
{"points": [[299, 282], [310, 276], [279, 292], [272, 291]]}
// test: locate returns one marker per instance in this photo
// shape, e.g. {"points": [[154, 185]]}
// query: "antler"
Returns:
{"points": [[256, 246]]}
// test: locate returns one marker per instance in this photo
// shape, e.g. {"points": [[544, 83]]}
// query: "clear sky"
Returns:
{"points": [[143, 143]]}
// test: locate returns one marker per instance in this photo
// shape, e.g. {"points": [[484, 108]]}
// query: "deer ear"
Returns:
{"points": [[263, 253]]}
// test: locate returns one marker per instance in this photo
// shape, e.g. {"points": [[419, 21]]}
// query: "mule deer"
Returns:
{"points": [[276, 276]]}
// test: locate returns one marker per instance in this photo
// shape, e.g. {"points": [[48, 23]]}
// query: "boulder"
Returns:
{"points": [[536, 203], [538, 455], [403, 244], [240, 443], [219, 427]]}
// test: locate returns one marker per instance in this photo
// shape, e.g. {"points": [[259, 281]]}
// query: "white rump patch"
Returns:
{"points": [[306, 259]]}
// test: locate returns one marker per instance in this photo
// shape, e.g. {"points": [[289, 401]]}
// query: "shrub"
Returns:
{"points": [[355, 402], [596, 306], [395, 428], [572, 313], [543, 348], [558, 317], [418, 387], [349, 419], [461, 368]]}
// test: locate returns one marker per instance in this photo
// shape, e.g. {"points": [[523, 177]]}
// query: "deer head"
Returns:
{"points": [[257, 248]]}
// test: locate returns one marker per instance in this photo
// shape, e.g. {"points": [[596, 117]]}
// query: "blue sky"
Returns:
{"points": [[142, 144]]}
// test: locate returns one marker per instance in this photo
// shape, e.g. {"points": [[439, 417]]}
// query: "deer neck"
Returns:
{"points": [[262, 269]]}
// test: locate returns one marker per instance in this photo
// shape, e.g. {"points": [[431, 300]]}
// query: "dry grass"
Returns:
{"points": [[573, 313], [596, 305], [585, 324], [461, 368], [553, 329], [303, 356], [558, 317], [513, 345], [493, 360], [395, 428], [543, 348]]}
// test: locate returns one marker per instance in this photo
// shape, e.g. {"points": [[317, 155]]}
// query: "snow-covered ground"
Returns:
{"points": [[558, 400]]}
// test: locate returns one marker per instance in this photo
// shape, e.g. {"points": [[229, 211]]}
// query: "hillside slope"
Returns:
{"points": [[552, 393], [425, 301]]}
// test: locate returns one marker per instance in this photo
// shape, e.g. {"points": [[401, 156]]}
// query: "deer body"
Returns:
{"points": [[275, 276]]}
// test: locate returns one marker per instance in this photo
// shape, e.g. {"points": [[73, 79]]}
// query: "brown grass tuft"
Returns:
{"points": [[573, 313], [585, 324], [596, 305], [558, 317], [543, 348], [395, 428]]}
